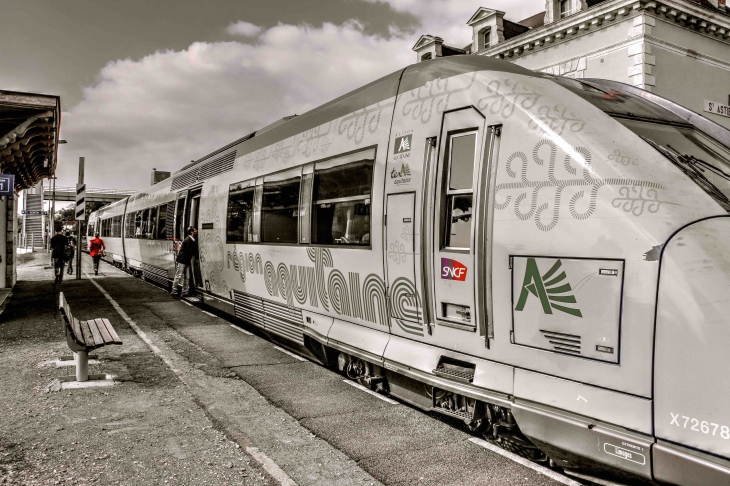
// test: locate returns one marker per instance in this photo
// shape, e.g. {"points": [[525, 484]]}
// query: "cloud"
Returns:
{"points": [[447, 18], [171, 107], [175, 106], [244, 29]]}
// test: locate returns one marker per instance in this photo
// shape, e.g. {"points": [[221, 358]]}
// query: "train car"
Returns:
{"points": [[148, 243], [108, 222], [543, 258]]}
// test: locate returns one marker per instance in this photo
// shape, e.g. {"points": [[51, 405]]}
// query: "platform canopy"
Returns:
{"points": [[29, 127]]}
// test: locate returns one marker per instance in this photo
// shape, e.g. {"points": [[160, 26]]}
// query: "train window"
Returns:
{"points": [[341, 200], [138, 224], [698, 157], [129, 226], [280, 208], [161, 233], [144, 223], [239, 219], [459, 190], [90, 229], [116, 230]]}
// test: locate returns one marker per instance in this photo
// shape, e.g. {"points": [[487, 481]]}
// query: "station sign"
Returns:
{"points": [[33, 212], [7, 184], [717, 108]]}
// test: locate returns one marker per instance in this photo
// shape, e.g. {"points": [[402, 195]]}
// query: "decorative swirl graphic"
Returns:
{"points": [[397, 252], [315, 140], [339, 293], [531, 189], [636, 199], [433, 98], [557, 119], [355, 124], [622, 158], [374, 302], [503, 96]]}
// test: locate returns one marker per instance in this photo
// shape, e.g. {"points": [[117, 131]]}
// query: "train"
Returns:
{"points": [[543, 258]]}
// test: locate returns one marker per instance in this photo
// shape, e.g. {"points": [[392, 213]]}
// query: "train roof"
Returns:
{"points": [[412, 77]]}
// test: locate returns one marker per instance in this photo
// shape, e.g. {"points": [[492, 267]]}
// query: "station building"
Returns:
{"points": [[29, 128], [678, 49]]}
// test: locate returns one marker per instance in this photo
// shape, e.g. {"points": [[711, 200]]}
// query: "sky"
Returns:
{"points": [[155, 84]]}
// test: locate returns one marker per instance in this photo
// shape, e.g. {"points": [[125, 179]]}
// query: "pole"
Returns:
{"points": [[78, 225]]}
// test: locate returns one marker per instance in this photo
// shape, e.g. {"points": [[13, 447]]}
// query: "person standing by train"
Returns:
{"points": [[188, 251], [70, 252], [58, 254], [96, 250]]}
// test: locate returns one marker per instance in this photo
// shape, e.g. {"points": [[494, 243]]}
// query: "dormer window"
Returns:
{"points": [[487, 38], [564, 8]]}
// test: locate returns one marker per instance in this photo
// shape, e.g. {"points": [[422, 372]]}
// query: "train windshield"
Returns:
{"points": [[698, 156]]}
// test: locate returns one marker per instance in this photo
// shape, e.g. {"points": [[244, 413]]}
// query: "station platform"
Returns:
{"points": [[194, 398]]}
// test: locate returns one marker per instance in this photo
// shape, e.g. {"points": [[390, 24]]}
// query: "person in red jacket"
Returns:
{"points": [[96, 250]]}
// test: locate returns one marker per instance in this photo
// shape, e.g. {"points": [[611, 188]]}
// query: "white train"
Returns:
{"points": [[544, 258]]}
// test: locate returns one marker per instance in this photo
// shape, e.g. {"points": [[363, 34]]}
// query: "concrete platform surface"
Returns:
{"points": [[196, 401]]}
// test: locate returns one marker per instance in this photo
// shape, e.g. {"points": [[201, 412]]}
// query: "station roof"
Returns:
{"points": [[29, 127]]}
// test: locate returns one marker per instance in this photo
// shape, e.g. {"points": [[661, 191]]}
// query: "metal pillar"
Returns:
{"points": [[78, 224], [82, 365]]}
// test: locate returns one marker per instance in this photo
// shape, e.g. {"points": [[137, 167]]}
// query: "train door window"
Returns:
{"points": [[194, 210], [341, 200], [459, 190], [162, 223], [179, 218], [239, 219], [90, 229], [280, 207]]}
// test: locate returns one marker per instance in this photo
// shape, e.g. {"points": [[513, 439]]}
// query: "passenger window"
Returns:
{"points": [[341, 200], [239, 220], [161, 223], [280, 209], [117, 226], [459, 190], [179, 218]]}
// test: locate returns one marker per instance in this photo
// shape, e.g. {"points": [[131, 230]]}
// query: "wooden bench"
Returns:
{"points": [[85, 336]]}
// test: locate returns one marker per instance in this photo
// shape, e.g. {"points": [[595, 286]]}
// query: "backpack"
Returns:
{"points": [[68, 252]]}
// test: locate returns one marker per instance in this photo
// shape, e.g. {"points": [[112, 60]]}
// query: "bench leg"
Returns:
{"points": [[82, 366]]}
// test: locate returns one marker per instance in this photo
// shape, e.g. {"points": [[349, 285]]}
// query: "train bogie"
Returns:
{"points": [[492, 244]]}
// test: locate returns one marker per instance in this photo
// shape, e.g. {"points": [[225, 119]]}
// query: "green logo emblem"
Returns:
{"points": [[402, 144], [548, 289]]}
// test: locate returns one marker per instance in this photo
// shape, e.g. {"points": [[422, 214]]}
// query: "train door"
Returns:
{"points": [[453, 189], [405, 314], [192, 218]]}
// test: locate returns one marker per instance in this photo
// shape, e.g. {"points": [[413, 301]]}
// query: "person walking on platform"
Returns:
{"points": [[188, 251], [58, 254], [96, 250], [70, 252]]}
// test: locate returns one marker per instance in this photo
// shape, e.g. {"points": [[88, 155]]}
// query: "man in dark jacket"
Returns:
{"points": [[188, 251], [58, 254]]}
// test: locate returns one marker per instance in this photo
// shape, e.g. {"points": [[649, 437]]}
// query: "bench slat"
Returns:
{"points": [[67, 311], [76, 328], [112, 332], [88, 337], [108, 339], [61, 301], [98, 338]]}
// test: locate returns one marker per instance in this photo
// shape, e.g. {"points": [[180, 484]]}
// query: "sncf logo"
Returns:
{"points": [[402, 144], [452, 270]]}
